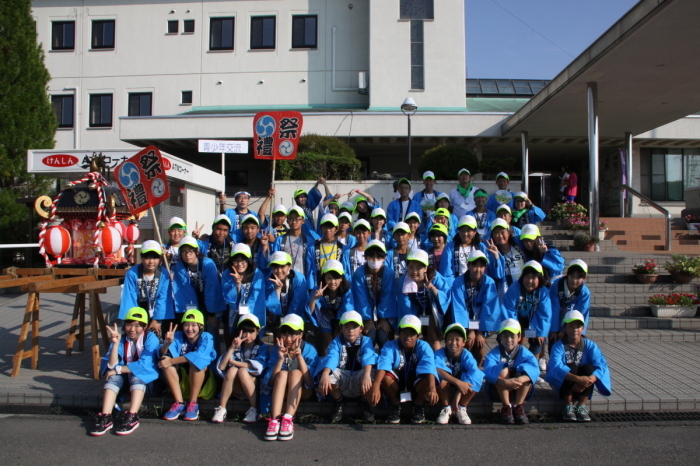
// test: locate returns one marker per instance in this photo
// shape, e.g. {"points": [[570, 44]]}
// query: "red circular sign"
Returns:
{"points": [[167, 164], [60, 160]]}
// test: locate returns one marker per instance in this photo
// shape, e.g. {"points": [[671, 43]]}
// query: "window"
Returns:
{"points": [[186, 97], [666, 173], [262, 32], [63, 106], [416, 9], [189, 26], [417, 75], [100, 110], [304, 32], [173, 26], [221, 33], [140, 104], [63, 35], [103, 34]]}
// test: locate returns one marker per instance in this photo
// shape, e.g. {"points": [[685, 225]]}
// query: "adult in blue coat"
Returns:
{"points": [[502, 196], [398, 209], [242, 199], [285, 289], [148, 285], [243, 288], [576, 365]]}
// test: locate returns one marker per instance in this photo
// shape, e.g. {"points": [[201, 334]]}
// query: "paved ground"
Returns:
{"points": [[652, 370]]}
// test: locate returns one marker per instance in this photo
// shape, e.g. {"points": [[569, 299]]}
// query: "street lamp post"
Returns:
{"points": [[409, 107]]}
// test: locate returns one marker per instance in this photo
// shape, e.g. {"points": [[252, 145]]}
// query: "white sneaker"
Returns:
{"points": [[444, 416], [539, 380], [251, 416], [219, 414], [543, 365], [463, 417]]}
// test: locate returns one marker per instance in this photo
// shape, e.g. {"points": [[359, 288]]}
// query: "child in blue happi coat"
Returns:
{"points": [[379, 230], [329, 301], [481, 214], [536, 249], [131, 360], [511, 371], [454, 261], [243, 286], [460, 377], [355, 256], [525, 212], [326, 248], [568, 293], [576, 365], [398, 209], [285, 290]]}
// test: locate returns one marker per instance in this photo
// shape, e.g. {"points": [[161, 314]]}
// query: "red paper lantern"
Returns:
{"points": [[110, 240], [119, 226], [132, 233], [57, 241]]}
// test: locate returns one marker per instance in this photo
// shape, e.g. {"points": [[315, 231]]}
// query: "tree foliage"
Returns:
{"points": [[446, 161], [27, 119], [320, 156]]}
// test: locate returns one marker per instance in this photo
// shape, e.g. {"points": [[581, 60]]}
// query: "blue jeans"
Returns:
{"points": [[116, 382]]}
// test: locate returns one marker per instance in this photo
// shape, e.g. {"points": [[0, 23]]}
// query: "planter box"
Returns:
{"points": [[663, 310], [693, 228]]}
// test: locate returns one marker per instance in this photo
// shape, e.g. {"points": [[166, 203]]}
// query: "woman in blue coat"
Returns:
{"points": [[527, 301], [148, 285], [576, 365], [475, 304], [425, 295], [243, 286]]}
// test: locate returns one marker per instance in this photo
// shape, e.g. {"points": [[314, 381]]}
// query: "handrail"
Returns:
{"points": [[646, 199]]}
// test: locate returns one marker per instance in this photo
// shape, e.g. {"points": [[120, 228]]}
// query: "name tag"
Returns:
{"points": [[466, 205], [243, 309], [405, 396], [473, 325], [424, 320], [530, 333]]}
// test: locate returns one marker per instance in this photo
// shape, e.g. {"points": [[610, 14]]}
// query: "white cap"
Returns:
{"points": [[362, 223], [572, 316], [241, 248], [511, 325], [177, 221], [505, 207], [188, 241], [247, 217], [351, 316], [280, 258], [333, 265], [293, 321], [329, 218], [521, 194], [428, 174], [375, 243], [418, 255], [529, 231], [410, 321], [576, 263], [467, 220], [222, 218], [499, 222], [251, 318], [504, 175], [377, 211], [151, 246], [347, 216], [280, 208], [476, 254], [401, 226]]}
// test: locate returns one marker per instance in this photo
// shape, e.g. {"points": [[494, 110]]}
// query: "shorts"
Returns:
{"points": [[116, 382], [406, 383], [349, 382], [493, 393]]}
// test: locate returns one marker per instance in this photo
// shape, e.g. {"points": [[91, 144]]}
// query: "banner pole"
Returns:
{"points": [[223, 172], [272, 184], [158, 237]]}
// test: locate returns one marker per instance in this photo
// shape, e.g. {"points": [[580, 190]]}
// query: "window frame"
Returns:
{"points": [[139, 95], [185, 23], [262, 18], [101, 124], [93, 37], [53, 35], [182, 97], [305, 17], [176, 22], [62, 98], [220, 19]]}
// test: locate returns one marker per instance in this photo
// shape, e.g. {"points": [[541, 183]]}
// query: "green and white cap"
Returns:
{"points": [[249, 217], [503, 175], [499, 222], [418, 255], [578, 263], [438, 228], [467, 220], [177, 222], [249, 318], [510, 325], [529, 231], [151, 246], [428, 174], [241, 248], [329, 218], [349, 206], [378, 212], [533, 265], [403, 180], [464, 170], [412, 215], [297, 210], [571, 316], [442, 196], [280, 258], [351, 316], [443, 212], [188, 241], [504, 207], [345, 215], [375, 243], [521, 194], [456, 327], [292, 321], [410, 321], [222, 218], [401, 226], [280, 209], [361, 223], [476, 254], [333, 265]]}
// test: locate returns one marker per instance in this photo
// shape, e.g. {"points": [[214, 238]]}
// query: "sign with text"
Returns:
{"points": [[276, 135], [214, 146], [142, 180]]}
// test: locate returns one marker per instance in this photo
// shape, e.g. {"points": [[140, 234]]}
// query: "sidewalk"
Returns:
{"points": [[652, 370]]}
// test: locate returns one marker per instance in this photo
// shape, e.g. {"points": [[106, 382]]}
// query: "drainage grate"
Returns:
{"points": [[644, 416]]}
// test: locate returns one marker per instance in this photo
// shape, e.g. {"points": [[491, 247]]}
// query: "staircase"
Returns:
{"points": [[649, 234]]}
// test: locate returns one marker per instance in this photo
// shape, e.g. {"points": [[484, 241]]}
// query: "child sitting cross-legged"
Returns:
{"points": [[511, 370], [406, 372], [347, 369], [460, 377], [241, 365]]}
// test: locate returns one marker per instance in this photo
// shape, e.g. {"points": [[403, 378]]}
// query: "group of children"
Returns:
{"points": [[357, 311]]}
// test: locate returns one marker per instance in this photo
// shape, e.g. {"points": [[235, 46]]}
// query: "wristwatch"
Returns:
{"points": [[118, 370]]}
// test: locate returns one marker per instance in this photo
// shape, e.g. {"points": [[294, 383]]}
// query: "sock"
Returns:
{"points": [[288, 416]]}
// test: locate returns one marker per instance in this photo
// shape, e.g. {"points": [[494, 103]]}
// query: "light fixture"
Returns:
{"points": [[409, 105]]}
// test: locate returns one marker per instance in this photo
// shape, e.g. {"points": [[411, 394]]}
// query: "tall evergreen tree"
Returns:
{"points": [[27, 119]]}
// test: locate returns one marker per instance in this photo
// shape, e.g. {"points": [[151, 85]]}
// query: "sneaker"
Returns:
{"points": [[251, 416], [175, 412], [519, 415], [192, 413], [366, 410], [444, 416], [418, 415], [394, 416], [506, 416], [102, 425], [273, 429], [569, 413], [582, 413], [129, 424], [463, 417], [219, 415], [539, 380], [287, 428], [543, 365], [337, 414]]}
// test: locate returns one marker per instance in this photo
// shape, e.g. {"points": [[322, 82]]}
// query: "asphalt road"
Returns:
{"points": [[38, 440]]}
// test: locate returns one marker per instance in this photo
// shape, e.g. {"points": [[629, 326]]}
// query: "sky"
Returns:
{"points": [[533, 39]]}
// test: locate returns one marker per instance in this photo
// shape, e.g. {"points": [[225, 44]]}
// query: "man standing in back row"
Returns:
{"points": [[462, 197]]}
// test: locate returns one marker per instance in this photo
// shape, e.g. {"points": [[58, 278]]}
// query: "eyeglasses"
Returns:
{"points": [[187, 251], [294, 219]]}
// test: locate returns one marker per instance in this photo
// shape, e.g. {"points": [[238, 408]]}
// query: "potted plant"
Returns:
{"points": [[674, 305], [647, 272], [563, 210], [682, 268], [585, 242], [577, 221], [692, 223]]}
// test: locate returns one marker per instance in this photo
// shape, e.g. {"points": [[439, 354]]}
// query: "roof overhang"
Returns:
{"points": [[645, 66]]}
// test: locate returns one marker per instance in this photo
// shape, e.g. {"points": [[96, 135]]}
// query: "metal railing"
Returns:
{"points": [[646, 199]]}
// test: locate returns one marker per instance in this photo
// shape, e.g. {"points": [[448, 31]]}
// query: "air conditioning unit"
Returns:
{"points": [[363, 82]]}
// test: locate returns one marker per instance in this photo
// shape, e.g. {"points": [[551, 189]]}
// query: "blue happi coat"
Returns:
{"points": [[540, 317], [578, 301], [367, 304], [485, 304], [162, 307], [557, 368], [146, 366], [252, 294], [185, 294], [465, 369]]}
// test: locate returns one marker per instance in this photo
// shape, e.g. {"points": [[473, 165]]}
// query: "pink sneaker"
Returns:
{"points": [[273, 429], [287, 429]]}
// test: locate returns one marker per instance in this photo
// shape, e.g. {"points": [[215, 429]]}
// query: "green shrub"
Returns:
{"points": [[446, 160], [320, 156], [491, 167]]}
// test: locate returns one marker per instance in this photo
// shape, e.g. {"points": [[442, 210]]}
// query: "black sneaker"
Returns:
{"points": [[366, 410], [519, 415], [129, 424], [394, 416], [102, 425], [418, 414], [338, 406], [506, 415]]}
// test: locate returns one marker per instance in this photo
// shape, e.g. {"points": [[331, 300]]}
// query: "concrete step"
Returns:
{"points": [[643, 335], [620, 309], [637, 288], [630, 323], [628, 298]]}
